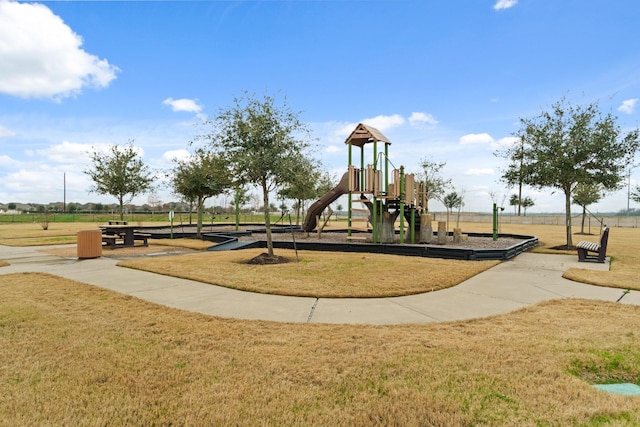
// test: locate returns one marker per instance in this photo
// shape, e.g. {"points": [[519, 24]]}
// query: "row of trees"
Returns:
{"points": [[258, 142], [254, 142]]}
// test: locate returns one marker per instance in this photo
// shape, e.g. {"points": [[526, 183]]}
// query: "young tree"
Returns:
{"points": [[119, 173], [324, 184], [573, 145], [302, 186], [585, 195], [432, 176], [514, 201], [262, 141], [202, 176], [635, 195], [527, 202], [517, 169], [451, 201]]}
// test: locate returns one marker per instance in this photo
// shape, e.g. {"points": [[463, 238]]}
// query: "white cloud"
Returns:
{"points": [[333, 149], [179, 155], [479, 172], [4, 132], [67, 152], [41, 57], [417, 118], [476, 138], [186, 105], [7, 162], [505, 142], [383, 123], [504, 4], [628, 106], [342, 130]]}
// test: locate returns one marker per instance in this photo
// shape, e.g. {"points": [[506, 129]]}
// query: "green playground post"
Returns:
{"points": [[362, 168], [374, 220], [495, 222], [386, 168], [402, 195], [350, 195]]}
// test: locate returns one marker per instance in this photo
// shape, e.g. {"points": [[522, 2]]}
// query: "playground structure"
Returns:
{"points": [[386, 194]]}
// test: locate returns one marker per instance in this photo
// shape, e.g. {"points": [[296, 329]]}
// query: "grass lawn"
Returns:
{"points": [[73, 354], [317, 274]]}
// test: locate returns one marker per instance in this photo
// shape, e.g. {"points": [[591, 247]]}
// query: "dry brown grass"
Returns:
{"points": [[623, 248], [73, 354], [28, 234], [317, 274]]}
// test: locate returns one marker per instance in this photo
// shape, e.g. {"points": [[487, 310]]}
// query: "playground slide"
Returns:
{"points": [[319, 205]]}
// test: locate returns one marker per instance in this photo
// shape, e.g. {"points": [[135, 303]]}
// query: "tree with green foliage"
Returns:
{"points": [[635, 195], [585, 195], [527, 202], [517, 170], [203, 175], [567, 146], [262, 141], [431, 176], [514, 201], [120, 172], [323, 185], [452, 201], [303, 185]]}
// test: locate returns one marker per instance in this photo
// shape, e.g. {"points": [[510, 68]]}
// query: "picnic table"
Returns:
{"points": [[122, 235]]}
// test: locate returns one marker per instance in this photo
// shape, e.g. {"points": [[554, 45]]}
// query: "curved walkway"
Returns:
{"points": [[523, 281]]}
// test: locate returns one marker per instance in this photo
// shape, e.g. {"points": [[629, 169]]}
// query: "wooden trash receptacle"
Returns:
{"points": [[89, 244]]}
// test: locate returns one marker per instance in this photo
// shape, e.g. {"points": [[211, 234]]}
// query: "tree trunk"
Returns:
{"points": [[520, 193], [298, 209], [584, 215], [121, 208], [567, 203], [267, 217], [199, 220]]}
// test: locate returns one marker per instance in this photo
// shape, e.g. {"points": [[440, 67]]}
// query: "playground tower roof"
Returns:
{"points": [[364, 134]]}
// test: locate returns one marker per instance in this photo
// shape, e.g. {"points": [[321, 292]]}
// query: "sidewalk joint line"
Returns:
{"points": [[313, 308]]}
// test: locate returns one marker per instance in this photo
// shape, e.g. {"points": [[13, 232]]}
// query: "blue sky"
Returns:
{"points": [[444, 80]]}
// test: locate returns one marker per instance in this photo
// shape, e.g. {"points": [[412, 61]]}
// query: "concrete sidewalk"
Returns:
{"points": [[520, 282]]}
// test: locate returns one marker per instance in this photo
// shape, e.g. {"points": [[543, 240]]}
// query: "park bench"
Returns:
{"points": [[118, 222], [592, 251]]}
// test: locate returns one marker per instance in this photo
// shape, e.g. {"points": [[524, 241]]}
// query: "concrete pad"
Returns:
{"points": [[458, 304], [374, 311], [511, 285]]}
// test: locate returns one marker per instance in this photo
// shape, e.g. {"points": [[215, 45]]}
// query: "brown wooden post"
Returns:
{"points": [[442, 232], [426, 229]]}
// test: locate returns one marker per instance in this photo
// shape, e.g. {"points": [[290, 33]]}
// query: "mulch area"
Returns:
{"points": [[341, 236], [472, 242]]}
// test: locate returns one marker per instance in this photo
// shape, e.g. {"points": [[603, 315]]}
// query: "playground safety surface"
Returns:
{"points": [[477, 246], [522, 281]]}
